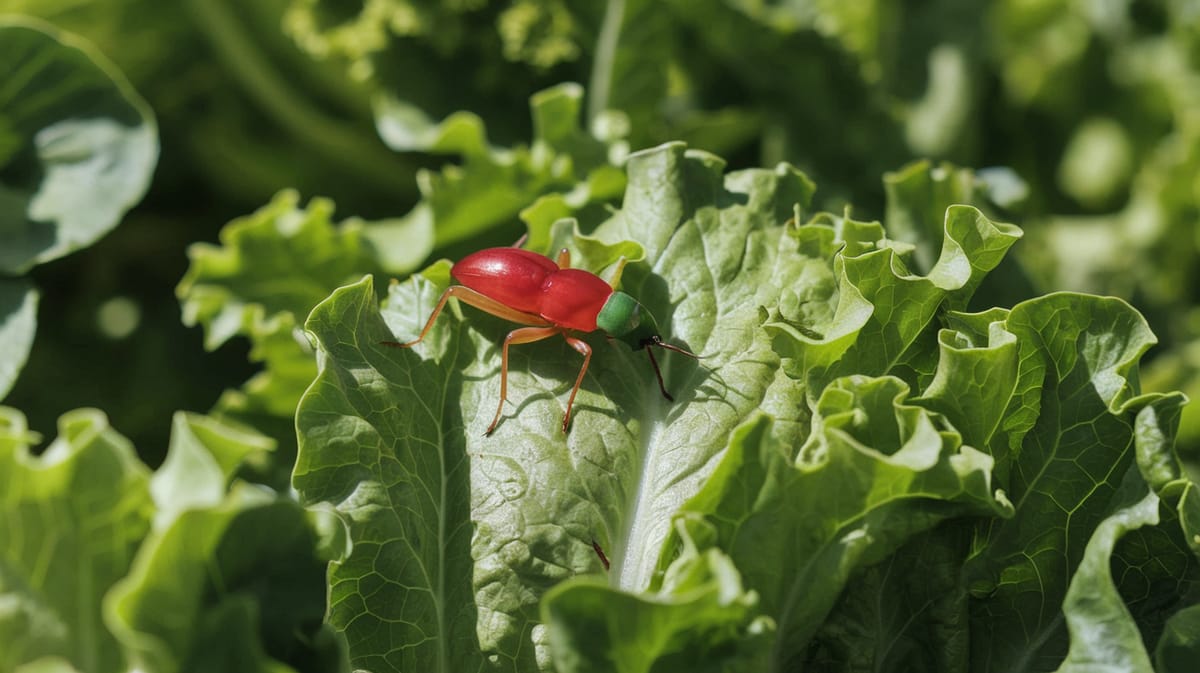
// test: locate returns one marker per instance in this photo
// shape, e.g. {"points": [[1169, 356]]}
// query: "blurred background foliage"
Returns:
{"points": [[1082, 118]]}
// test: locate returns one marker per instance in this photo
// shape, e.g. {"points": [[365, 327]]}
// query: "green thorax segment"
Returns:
{"points": [[626, 319]]}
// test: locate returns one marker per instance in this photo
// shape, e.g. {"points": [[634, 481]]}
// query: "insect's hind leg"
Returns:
{"points": [[479, 301], [518, 336], [584, 349]]}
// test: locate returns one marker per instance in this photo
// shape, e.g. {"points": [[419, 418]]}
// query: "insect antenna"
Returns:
{"points": [[657, 341], [676, 349]]}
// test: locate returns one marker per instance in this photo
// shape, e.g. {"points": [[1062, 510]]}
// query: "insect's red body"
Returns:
{"points": [[531, 283], [550, 299]]}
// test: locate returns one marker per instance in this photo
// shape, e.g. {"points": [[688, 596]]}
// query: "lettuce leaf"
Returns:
{"points": [[77, 149], [77, 144], [492, 185], [273, 266], [18, 322], [107, 566], [72, 519], [797, 456]]}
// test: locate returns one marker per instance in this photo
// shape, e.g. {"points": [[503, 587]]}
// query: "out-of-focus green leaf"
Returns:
{"points": [[77, 144], [241, 584], [71, 520], [280, 260], [18, 323], [1180, 644], [75, 520], [491, 185], [273, 266], [918, 196], [201, 463]]}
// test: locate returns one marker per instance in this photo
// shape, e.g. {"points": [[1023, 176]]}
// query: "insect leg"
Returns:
{"points": [[600, 553], [479, 301], [658, 375], [586, 351], [518, 336], [437, 310]]}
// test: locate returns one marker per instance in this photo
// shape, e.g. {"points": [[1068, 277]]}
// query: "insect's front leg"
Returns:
{"points": [[437, 310]]}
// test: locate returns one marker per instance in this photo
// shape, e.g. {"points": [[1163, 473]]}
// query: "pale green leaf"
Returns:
{"points": [[77, 144], [71, 520], [492, 185], [18, 323], [202, 459], [241, 584]]}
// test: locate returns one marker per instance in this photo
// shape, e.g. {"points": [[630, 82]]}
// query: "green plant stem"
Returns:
{"points": [[606, 53], [271, 93]]}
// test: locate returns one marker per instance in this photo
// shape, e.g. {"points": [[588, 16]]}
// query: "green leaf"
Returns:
{"points": [[71, 520], [201, 462], [875, 471], [906, 613], [242, 585], [244, 284], [273, 266], [818, 330], [18, 322], [77, 144], [917, 198], [398, 473], [493, 185], [1103, 632], [868, 313], [975, 378], [1065, 442], [1180, 644], [698, 619], [408, 421]]}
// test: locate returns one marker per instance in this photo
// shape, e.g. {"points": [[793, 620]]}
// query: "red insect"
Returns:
{"points": [[550, 298]]}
